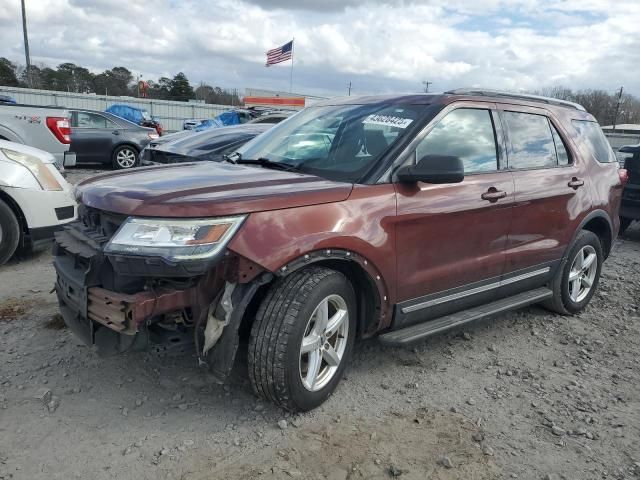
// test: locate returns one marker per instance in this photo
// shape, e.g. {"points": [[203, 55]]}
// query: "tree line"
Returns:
{"points": [[608, 108], [117, 81]]}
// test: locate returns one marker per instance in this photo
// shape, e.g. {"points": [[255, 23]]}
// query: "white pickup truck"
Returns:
{"points": [[46, 128]]}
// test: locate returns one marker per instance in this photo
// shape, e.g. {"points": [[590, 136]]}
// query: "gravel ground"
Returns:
{"points": [[528, 395]]}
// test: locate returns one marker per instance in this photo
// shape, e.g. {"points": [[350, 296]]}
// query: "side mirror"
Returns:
{"points": [[433, 169]]}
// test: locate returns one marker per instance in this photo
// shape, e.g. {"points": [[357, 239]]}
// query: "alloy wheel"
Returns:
{"points": [[324, 342], [126, 158], [583, 273]]}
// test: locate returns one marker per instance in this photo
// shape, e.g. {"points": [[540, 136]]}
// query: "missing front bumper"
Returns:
{"points": [[125, 313]]}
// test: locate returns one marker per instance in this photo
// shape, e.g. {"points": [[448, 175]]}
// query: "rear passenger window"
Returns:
{"points": [[591, 133], [531, 143], [465, 133], [561, 150]]}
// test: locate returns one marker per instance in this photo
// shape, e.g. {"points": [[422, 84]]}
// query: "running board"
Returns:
{"points": [[420, 331]]}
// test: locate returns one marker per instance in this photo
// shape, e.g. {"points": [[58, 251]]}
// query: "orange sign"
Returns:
{"points": [[275, 101]]}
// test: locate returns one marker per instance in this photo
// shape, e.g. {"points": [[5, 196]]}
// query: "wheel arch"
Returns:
{"points": [[598, 222], [9, 135], [367, 295], [367, 282], [125, 143], [17, 211]]}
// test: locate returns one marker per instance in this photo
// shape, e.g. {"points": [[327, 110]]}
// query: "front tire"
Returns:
{"points": [[302, 338], [577, 277], [9, 233], [124, 157]]}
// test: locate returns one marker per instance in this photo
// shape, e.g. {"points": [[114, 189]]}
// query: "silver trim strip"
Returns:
{"points": [[474, 291], [525, 276]]}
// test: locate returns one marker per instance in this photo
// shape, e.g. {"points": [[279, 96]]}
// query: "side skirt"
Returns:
{"points": [[420, 331], [446, 302]]}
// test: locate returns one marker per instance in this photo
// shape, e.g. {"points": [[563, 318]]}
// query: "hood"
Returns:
{"points": [[196, 144], [170, 137], [205, 189]]}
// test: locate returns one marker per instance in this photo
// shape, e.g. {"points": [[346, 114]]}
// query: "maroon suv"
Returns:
{"points": [[397, 216]]}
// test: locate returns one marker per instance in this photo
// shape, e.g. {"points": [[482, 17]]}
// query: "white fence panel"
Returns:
{"points": [[170, 114], [617, 140]]}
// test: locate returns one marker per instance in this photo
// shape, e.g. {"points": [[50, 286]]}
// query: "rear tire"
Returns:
{"points": [[302, 338], [125, 157], [624, 224], [9, 233], [577, 277]]}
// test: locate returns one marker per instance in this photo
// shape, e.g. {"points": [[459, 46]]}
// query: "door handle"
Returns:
{"points": [[116, 132], [493, 194], [575, 183]]}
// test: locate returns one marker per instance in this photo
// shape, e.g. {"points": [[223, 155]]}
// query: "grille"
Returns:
{"points": [[64, 213]]}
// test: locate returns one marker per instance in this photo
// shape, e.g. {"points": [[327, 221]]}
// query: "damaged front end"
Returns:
{"points": [[138, 290]]}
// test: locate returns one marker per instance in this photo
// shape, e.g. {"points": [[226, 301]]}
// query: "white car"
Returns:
{"points": [[35, 199]]}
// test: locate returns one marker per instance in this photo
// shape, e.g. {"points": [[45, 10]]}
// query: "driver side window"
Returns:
{"points": [[90, 120], [466, 133]]}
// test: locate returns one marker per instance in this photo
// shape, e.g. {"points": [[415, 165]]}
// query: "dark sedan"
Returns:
{"points": [[210, 145], [105, 138]]}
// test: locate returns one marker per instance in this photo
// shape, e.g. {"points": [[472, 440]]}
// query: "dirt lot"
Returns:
{"points": [[528, 395]]}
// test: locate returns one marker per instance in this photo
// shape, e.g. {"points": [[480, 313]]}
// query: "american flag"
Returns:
{"points": [[280, 54]]}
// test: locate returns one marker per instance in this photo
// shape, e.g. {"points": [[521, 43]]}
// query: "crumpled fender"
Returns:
{"points": [[221, 356]]}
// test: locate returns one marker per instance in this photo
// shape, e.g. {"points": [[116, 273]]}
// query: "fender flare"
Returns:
{"points": [[598, 213], [374, 279]]}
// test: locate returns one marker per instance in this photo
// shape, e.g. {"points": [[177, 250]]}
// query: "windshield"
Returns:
{"points": [[338, 142]]}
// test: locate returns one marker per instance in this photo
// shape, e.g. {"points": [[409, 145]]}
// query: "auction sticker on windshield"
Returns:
{"points": [[388, 120]]}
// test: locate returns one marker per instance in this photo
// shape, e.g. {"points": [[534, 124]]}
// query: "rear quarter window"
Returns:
{"points": [[592, 135], [530, 141]]}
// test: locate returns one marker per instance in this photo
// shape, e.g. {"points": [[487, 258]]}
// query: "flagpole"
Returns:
{"points": [[293, 47]]}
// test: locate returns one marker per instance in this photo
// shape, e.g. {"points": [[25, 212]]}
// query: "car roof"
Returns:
{"points": [[261, 118], [478, 94], [412, 99]]}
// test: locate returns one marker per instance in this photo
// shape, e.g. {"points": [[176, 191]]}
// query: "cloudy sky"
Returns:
{"points": [[378, 45]]}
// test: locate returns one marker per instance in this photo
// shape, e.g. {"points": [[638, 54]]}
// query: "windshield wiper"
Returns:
{"points": [[266, 163]]}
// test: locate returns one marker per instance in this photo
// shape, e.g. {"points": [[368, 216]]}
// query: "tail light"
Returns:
{"points": [[60, 128], [624, 175]]}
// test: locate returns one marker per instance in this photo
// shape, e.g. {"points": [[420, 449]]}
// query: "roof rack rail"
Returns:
{"points": [[518, 96]]}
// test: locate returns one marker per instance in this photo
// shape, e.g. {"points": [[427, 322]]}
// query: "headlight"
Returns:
{"points": [[37, 167], [174, 240]]}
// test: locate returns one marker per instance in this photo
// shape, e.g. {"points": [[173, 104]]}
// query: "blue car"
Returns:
{"points": [[136, 115], [7, 99]]}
